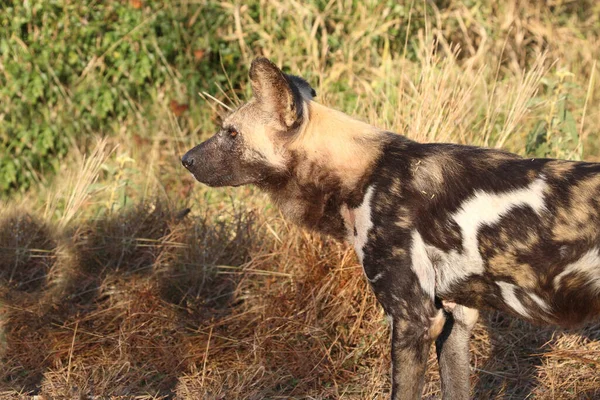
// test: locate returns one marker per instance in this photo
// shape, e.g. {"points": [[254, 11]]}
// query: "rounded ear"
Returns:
{"points": [[274, 91], [303, 86]]}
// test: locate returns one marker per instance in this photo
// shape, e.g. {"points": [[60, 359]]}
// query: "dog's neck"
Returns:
{"points": [[335, 142], [331, 161]]}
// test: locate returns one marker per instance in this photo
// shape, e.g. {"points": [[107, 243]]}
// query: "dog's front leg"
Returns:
{"points": [[452, 348], [410, 349], [405, 290]]}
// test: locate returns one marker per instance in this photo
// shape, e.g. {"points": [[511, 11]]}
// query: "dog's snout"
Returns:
{"points": [[187, 160], [208, 163]]}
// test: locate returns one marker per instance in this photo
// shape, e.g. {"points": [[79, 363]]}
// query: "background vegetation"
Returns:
{"points": [[119, 276]]}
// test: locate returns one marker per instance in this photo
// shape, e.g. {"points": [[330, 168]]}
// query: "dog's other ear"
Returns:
{"points": [[303, 86], [275, 91]]}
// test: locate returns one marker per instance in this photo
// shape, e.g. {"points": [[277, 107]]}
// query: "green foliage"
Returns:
{"points": [[70, 69], [74, 68], [557, 135]]}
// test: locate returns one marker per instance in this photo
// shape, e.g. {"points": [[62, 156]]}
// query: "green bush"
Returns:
{"points": [[70, 69], [74, 68]]}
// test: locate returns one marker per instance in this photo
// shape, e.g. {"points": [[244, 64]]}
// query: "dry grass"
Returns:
{"points": [[111, 286], [158, 304]]}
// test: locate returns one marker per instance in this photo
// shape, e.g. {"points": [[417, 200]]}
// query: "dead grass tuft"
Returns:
{"points": [[27, 253]]}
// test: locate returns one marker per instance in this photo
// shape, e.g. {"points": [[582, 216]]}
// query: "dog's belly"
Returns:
{"points": [[483, 291], [568, 295]]}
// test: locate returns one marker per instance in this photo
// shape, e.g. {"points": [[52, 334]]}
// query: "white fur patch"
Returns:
{"points": [[483, 209], [376, 277], [511, 300], [362, 225], [421, 264], [588, 265], [539, 301]]}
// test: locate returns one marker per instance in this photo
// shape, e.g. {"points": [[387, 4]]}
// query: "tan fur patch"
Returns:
{"points": [[349, 218], [573, 223], [259, 132], [506, 264], [429, 173], [404, 218], [336, 142], [467, 316], [398, 252], [532, 174], [497, 155], [449, 306], [436, 325], [559, 168]]}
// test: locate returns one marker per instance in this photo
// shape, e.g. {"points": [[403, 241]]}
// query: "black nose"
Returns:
{"points": [[187, 160]]}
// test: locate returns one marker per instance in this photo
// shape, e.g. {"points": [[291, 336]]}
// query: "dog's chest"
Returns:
{"points": [[358, 222]]}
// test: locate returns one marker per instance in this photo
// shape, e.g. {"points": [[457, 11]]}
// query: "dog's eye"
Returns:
{"points": [[232, 132]]}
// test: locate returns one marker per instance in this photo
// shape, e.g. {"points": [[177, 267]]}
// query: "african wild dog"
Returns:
{"points": [[441, 230]]}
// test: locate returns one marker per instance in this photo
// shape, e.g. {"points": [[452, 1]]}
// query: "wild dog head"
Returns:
{"points": [[250, 146]]}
